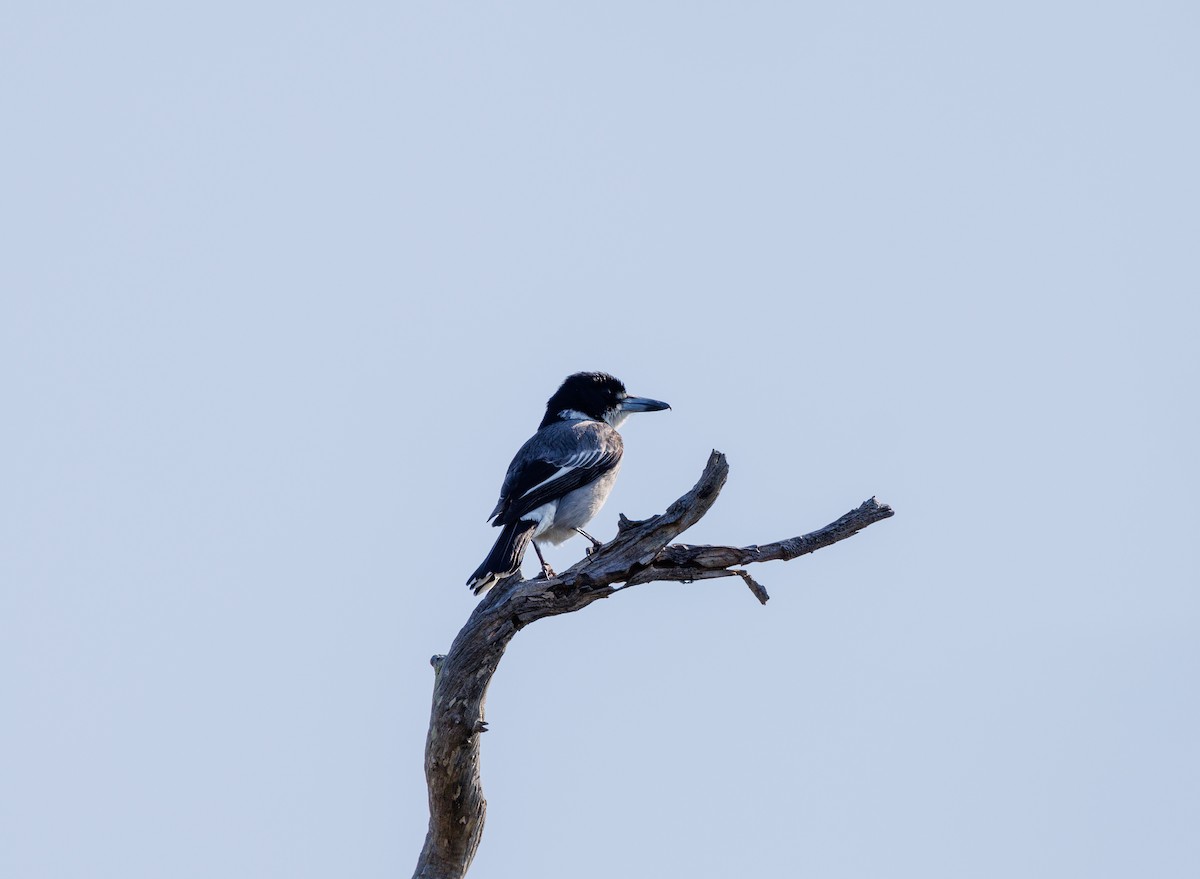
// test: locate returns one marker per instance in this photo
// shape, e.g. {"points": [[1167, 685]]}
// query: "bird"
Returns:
{"points": [[561, 476]]}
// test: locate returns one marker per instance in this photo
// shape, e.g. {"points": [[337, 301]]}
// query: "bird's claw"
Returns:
{"points": [[595, 544]]}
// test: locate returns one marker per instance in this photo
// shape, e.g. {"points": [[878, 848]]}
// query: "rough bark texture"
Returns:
{"points": [[638, 554]]}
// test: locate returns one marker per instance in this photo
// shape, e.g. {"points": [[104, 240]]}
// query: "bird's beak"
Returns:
{"points": [[642, 404]]}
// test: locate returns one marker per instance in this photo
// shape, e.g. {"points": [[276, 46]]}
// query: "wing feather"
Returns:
{"points": [[559, 458]]}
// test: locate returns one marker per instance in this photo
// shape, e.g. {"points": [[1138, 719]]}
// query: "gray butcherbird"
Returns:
{"points": [[562, 475]]}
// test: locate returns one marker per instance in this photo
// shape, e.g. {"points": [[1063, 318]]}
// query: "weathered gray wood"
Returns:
{"points": [[638, 554]]}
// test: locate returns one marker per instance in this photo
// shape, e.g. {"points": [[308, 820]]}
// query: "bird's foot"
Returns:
{"points": [[596, 544], [547, 571]]}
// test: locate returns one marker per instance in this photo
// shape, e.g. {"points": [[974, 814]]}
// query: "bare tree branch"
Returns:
{"points": [[638, 554]]}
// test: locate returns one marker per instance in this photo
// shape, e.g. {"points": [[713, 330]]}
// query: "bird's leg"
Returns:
{"points": [[596, 544], [547, 571]]}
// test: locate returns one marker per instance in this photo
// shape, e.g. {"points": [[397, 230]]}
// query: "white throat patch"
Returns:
{"points": [[615, 417]]}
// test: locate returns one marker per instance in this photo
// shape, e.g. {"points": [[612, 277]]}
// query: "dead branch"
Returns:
{"points": [[638, 554]]}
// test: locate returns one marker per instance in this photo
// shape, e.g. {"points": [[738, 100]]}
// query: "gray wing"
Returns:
{"points": [[559, 458]]}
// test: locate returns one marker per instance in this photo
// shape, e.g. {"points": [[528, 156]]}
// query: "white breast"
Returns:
{"points": [[575, 509]]}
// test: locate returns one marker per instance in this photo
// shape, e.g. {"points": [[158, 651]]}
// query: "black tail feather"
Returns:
{"points": [[505, 557]]}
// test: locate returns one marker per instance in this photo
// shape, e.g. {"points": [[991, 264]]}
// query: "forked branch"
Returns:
{"points": [[638, 554]]}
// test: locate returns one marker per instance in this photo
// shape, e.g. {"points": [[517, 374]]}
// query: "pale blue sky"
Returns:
{"points": [[286, 285]]}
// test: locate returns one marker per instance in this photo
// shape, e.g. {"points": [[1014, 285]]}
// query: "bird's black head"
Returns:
{"points": [[597, 396]]}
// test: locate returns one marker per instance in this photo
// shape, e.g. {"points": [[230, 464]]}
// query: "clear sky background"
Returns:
{"points": [[285, 285]]}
